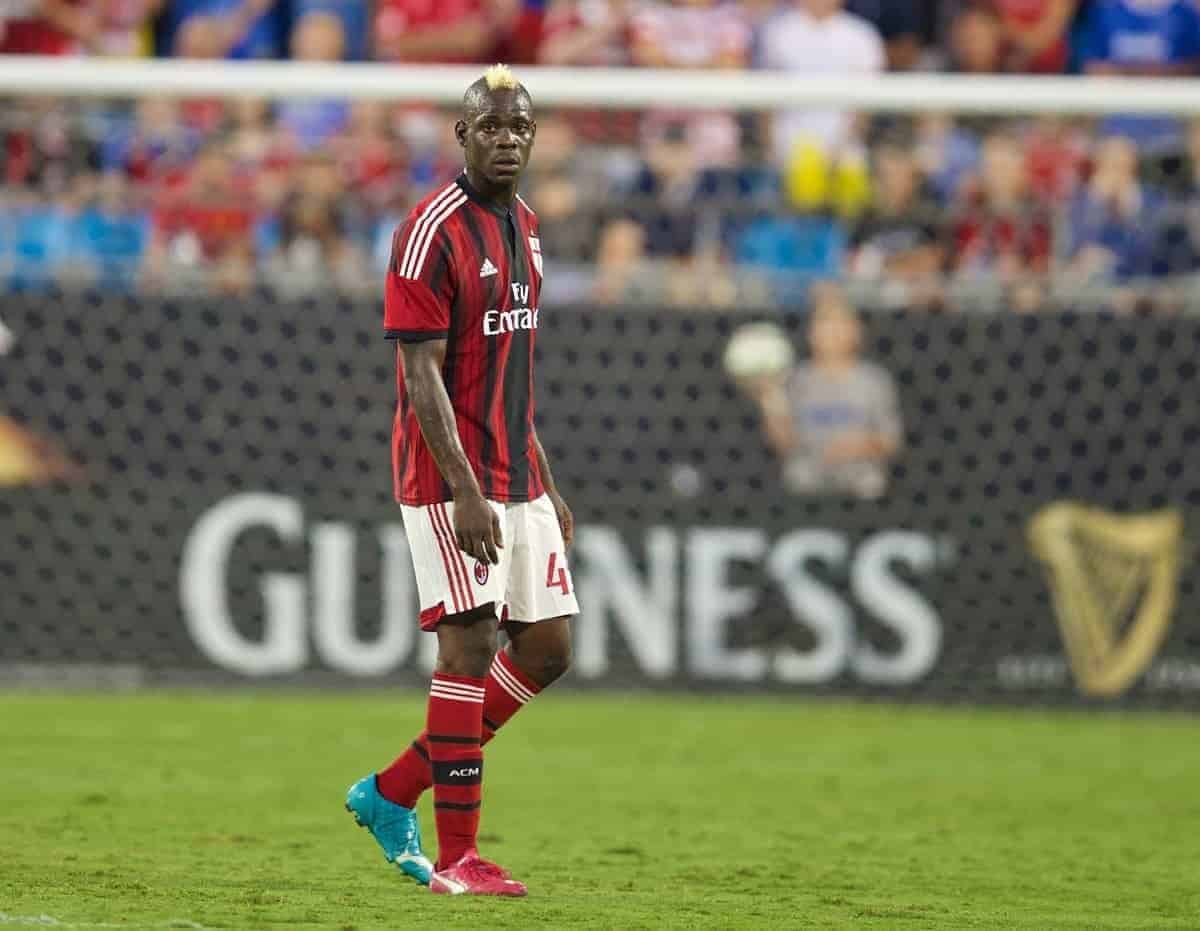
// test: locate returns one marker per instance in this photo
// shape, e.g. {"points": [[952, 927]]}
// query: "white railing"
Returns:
{"points": [[603, 87]]}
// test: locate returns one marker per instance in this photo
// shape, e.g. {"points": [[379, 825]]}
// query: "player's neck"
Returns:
{"points": [[500, 195]]}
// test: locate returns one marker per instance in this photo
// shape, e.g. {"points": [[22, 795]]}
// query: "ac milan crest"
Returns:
{"points": [[481, 572]]}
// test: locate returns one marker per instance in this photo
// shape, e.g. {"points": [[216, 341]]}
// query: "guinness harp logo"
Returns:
{"points": [[1113, 579]]}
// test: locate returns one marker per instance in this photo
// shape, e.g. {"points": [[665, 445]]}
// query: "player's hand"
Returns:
{"points": [[852, 447], [477, 528], [566, 520], [767, 391]]}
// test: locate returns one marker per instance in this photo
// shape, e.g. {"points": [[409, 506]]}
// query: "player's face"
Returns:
{"points": [[499, 137]]}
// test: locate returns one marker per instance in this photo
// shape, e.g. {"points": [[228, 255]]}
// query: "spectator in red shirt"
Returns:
{"points": [[520, 34], [48, 27], [371, 161], [1035, 34], [1056, 151], [203, 229], [447, 31], [1016, 36], [1003, 234]]}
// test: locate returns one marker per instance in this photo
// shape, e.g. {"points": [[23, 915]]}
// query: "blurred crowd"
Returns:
{"points": [[712, 207]]}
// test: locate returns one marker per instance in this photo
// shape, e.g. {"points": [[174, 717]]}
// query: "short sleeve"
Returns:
{"points": [[420, 285]]}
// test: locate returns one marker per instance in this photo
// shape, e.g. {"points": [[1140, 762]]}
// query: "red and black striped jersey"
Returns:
{"points": [[469, 272]]}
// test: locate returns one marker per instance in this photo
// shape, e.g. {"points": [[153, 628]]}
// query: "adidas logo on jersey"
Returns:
{"points": [[487, 269]]}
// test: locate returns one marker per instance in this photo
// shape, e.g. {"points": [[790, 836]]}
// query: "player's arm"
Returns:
{"points": [[566, 520], [418, 294], [476, 526], [769, 392]]}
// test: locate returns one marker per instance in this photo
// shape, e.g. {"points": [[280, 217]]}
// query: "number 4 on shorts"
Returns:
{"points": [[558, 580]]}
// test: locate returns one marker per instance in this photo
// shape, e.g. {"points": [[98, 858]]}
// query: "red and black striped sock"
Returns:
{"points": [[453, 726], [506, 690], [408, 775]]}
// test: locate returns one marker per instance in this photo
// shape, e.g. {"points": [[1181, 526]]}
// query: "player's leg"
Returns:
{"points": [[540, 599], [541, 651], [537, 655], [452, 584], [385, 802], [540, 594], [453, 726]]}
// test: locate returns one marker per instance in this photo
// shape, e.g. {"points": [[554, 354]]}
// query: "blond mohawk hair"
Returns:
{"points": [[500, 78]]}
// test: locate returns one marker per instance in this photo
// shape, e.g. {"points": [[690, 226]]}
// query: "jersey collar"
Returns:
{"points": [[469, 189]]}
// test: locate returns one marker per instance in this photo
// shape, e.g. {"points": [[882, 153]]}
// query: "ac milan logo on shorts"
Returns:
{"points": [[481, 572]]}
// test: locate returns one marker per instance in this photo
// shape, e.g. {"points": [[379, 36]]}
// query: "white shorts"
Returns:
{"points": [[531, 583]]}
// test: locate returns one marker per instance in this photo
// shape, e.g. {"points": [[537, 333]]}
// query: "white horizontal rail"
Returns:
{"points": [[603, 87]]}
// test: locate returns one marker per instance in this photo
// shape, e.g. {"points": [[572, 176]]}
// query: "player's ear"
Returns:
{"points": [[460, 132]]}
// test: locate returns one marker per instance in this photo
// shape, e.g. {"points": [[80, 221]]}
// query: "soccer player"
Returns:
{"points": [[487, 528]]}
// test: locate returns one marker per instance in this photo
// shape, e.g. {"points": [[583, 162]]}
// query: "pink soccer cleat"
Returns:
{"points": [[472, 876]]}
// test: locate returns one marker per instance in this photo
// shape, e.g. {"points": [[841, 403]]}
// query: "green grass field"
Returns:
{"points": [[225, 811]]}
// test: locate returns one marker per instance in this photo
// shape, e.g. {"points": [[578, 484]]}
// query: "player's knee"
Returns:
{"points": [[549, 664], [468, 652], [470, 659], [555, 665], [561, 661], [542, 651]]}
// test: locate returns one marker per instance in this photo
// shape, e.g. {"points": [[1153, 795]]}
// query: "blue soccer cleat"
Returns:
{"points": [[393, 826]]}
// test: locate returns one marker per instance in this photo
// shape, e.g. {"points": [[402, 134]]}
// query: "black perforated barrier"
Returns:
{"points": [[201, 490]]}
